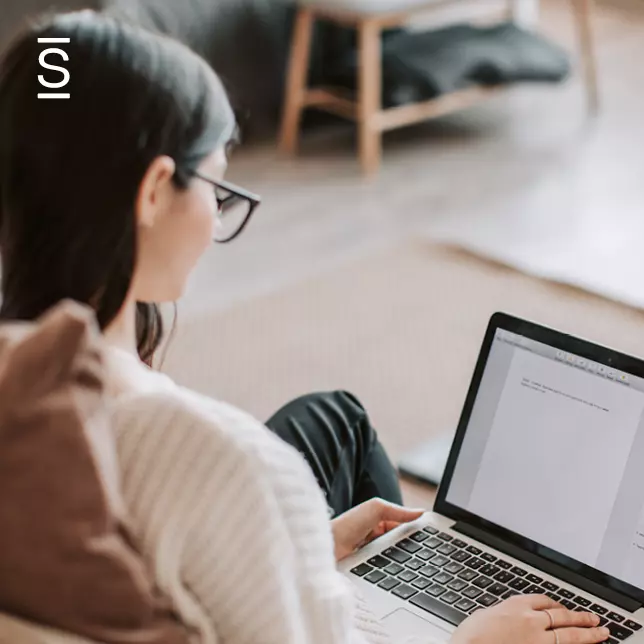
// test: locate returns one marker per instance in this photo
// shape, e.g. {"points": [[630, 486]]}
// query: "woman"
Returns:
{"points": [[110, 198]]}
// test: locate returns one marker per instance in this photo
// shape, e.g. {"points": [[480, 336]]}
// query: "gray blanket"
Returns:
{"points": [[421, 66]]}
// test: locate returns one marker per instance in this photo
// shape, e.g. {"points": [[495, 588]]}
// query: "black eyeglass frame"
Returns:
{"points": [[236, 192]]}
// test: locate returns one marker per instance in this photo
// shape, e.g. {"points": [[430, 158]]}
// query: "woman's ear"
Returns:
{"points": [[156, 191]]}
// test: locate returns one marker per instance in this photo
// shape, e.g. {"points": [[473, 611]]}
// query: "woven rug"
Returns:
{"points": [[400, 329]]}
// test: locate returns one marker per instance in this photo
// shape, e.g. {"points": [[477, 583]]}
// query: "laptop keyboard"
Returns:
{"points": [[452, 579]]}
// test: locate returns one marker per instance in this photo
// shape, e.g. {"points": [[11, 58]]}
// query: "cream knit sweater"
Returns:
{"points": [[231, 520]]}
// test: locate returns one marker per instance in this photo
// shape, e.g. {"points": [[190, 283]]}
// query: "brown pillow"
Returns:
{"points": [[17, 631], [65, 557]]}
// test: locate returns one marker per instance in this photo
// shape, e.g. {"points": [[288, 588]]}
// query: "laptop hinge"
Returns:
{"points": [[612, 596]]}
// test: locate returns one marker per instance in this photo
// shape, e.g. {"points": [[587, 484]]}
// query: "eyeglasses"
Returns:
{"points": [[236, 207]]}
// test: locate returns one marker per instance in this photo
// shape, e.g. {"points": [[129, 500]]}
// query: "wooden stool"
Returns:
{"points": [[367, 111]]}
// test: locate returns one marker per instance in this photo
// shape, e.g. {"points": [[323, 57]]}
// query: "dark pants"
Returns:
{"points": [[333, 433]]}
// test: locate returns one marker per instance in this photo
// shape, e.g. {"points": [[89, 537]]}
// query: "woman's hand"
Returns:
{"points": [[366, 522], [530, 620]]}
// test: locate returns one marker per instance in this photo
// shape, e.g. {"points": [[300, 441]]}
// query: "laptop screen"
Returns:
{"points": [[554, 451]]}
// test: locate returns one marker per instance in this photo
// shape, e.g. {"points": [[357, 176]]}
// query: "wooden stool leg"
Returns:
{"points": [[296, 82], [370, 95], [584, 16], [511, 11]]}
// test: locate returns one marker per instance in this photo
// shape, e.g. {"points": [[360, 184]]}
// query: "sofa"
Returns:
{"points": [[246, 41]]}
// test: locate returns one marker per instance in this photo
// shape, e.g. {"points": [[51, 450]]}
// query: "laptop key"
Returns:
{"points": [[419, 537], [461, 556], [497, 589], [393, 569], [533, 579], [396, 554], [443, 578], [453, 568], [474, 550], [519, 572], [425, 554], [430, 530], [375, 576], [403, 591], [440, 561], [488, 557], [450, 597], [582, 601], [504, 565], [482, 582], [471, 592], [518, 584], [487, 600], [634, 626], [444, 536], [407, 576], [618, 631], [361, 570], [421, 583], [568, 604], [548, 585], [465, 605], [436, 607], [474, 563], [458, 543], [566, 594], [388, 583], [616, 617], [378, 562], [533, 589], [599, 610], [428, 571], [468, 574], [409, 546], [415, 564], [457, 585], [436, 590], [447, 549], [504, 577], [433, 543], [488, 570]]}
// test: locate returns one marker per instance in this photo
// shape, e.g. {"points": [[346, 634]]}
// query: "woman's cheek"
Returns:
{"points": [[203, 221], [209, 225]]}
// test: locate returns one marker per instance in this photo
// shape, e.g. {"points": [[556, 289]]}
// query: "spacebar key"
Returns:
{"points": [[435, 607]]}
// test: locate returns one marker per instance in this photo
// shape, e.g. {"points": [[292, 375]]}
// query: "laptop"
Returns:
{"points": [[543, 494]]}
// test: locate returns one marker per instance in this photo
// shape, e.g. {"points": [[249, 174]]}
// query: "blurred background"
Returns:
{"points": [[375, 261]]}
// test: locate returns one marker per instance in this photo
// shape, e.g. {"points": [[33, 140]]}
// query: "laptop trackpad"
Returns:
{"points": [[404, 622]]}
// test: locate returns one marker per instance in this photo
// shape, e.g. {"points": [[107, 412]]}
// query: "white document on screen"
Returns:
{"points": [[553, 464]]}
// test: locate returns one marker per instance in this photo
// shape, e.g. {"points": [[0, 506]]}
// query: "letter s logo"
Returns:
{"points": [[46, 65]]}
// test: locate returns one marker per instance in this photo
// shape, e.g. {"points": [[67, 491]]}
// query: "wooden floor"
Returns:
{"points": [[510, 159]]}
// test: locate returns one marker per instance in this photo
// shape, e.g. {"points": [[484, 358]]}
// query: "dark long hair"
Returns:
{"points": [[70, 170]]}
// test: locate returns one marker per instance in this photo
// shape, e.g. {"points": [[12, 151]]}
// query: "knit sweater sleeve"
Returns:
{"points": [[233, 517]]}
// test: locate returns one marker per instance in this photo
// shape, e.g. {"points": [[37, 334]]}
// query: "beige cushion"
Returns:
{"points": [[524, 12], [367, 6], [66, 559]]}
